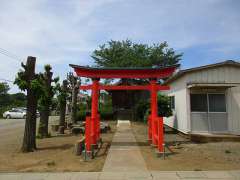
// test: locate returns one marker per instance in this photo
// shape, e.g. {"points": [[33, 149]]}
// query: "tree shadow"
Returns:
{"points": [[129, 144], [60, 147]]}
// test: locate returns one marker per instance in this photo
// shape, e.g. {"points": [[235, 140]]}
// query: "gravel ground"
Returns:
{"points": [[188, 155], [54, 154]]}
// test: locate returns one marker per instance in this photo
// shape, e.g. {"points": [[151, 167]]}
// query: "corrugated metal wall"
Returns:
{"points": [[224, 74], [233, 106], [179, 118], [227, 74]]}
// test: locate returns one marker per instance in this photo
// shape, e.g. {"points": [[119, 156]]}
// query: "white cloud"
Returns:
{"points": [[63, 32]]}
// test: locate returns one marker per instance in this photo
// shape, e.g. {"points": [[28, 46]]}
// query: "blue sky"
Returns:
{"points": [[62, 32]]}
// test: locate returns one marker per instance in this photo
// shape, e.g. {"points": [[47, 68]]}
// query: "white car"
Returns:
{"points": [[15, 113]]}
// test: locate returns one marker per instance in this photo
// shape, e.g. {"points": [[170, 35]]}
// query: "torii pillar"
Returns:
{"points": [[92, 126], [94, 111], [155, 123]]}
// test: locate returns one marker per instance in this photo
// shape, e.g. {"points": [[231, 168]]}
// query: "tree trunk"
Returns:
{"points": [[29, 139], [74, 105], [43, 125], [75, 83], [34, 122], [44, 114], [62, 117], [63, 108]]}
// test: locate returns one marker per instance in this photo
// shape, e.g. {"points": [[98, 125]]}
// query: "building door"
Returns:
{"points": [[208, 112]]}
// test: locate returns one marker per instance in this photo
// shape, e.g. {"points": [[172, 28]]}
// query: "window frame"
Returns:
{"points": [[191, 103], [172, 102], [224, 100], [207, 94]]}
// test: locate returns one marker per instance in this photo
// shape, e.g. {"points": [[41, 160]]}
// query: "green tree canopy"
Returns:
{"points": [[4, 96], [4, 88], [128, 54], [46, 89]]}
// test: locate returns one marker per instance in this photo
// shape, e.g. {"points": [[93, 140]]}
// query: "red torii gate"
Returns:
{"points": [[155, 123]]}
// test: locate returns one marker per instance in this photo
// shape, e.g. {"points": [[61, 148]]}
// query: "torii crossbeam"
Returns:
{"points": [[155, 123]]}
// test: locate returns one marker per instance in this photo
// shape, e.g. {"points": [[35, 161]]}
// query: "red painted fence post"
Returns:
{"points": [[149, 129], [98, 127], [160, 135], [88, 134]]}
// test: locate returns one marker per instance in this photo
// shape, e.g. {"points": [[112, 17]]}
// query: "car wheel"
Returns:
{"points": [[8, 117], [24, 117]]}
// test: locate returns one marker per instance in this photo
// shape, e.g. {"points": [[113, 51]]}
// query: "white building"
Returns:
{"points": [[206, 99]]}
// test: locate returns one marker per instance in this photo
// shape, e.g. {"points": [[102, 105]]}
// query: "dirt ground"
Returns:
{"points": [[53, 154], [188, 155]]}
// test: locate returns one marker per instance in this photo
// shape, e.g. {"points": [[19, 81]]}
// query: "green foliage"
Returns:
{"points": [[55, 104], [164, 108], [105, 109], [4, 96], [18, 99], [143, 108], [47, 68], [81, 115], [145, 117], [4, 88], [45, 92], [38, 85], [128, 54], [140, 109], [62, 94], [20, 80]]}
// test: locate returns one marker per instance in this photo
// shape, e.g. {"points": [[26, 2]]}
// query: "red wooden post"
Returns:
{"points": [[94, 110], [154, 110], [98, 127], [149, 128], [88, 134], [160, 134]]}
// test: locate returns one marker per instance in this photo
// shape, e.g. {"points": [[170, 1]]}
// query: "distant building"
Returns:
{"points": [[206, 99]]}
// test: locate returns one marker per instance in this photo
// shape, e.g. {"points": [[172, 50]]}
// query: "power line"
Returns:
{"points": [[6, 51], [9, 54], [6, 80]]}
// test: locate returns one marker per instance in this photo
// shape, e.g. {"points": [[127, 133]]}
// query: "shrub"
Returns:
{"points": [[106, 115], [164, 109], [81, 115], [142, 108]]}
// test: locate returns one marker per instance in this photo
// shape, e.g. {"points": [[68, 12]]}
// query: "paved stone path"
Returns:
{"points": [[124, 154], [145, 175], [125, 162]]}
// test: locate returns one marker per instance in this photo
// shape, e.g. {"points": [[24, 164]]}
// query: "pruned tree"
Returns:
{"points": [[45, 99], [129, 54], [62, 98], [74, 85], [27, 80]]}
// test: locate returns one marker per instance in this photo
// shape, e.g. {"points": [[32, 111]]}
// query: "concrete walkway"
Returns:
{"points": [[124, 154], [124, 162], [146, 175]]}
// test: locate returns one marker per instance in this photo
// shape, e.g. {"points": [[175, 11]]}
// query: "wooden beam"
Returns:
{"points": [[134, 87]]}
